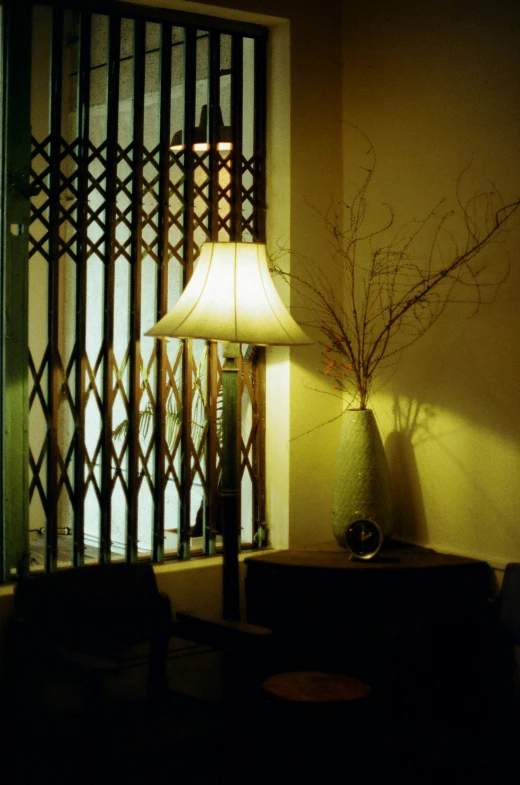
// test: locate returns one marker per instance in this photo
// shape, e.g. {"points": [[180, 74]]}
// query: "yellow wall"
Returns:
{"points": [[437, 85]]}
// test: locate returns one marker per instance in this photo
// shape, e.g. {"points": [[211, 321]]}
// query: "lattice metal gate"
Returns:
{"points": [[148, 138]]}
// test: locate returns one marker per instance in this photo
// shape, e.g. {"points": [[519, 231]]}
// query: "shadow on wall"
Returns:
{"points": [[458, 390], [410, 418], [469, 367]]}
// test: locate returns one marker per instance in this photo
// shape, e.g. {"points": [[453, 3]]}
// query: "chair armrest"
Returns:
{"points": [[230, 636]]}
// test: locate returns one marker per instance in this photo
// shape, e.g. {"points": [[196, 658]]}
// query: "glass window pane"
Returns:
{"points": [[127, 214]]}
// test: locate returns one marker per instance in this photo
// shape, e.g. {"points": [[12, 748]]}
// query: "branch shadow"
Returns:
{"points": [[410, 522]]}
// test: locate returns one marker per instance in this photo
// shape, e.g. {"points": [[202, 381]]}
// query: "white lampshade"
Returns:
{"points": [[231, 297]]}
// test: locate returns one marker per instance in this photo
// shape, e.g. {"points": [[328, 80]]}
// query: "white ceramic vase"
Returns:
{"points": [[362, 481]]}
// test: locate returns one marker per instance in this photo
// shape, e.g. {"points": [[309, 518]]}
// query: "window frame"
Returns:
{"points": [[15, 551]]}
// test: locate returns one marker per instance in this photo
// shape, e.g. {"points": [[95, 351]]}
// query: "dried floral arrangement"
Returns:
{"points": [[396, 282]]}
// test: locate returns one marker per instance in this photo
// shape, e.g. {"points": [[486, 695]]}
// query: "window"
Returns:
{"points": [[148, 138]]}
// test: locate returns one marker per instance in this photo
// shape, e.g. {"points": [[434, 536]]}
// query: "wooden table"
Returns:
{"points": [[409, 622]]}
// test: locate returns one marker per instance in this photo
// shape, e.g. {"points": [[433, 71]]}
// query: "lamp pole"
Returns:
{"points": [[230, 511]]}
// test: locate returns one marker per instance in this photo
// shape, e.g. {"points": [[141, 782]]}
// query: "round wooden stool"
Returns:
{"points": [[315, 687], [315, 720]]}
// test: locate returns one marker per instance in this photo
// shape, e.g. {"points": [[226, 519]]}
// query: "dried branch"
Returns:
{"points": [[396, 284]]}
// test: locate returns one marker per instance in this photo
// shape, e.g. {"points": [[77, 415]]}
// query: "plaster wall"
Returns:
{"points": [[436, 87]]}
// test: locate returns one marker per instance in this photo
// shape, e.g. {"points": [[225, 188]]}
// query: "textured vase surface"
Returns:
{"points": [[362, 481]]}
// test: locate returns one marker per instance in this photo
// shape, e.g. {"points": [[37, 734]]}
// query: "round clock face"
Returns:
{"points": [[364, 538]]}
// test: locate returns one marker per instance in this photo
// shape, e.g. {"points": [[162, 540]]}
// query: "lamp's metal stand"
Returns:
{"points": [[229, 485]]}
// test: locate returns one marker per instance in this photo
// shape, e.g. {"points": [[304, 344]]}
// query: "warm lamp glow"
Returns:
{"points": [[203, 147], [200, 144], [231, 297]]}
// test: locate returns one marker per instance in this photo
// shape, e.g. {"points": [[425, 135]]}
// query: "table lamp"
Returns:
{"points": [[231, 297]]}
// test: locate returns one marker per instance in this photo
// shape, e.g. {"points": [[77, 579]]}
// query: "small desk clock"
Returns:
{"points": [[364, 538]]}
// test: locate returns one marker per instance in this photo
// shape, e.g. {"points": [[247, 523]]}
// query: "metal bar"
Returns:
{"points": [[162, 290], [258, 360], [15, 212], [237, 70], [183, 546], [210, 520], [190, 75], [81, 286], [134, 480], [259, 119], [51, 528], [114, 49], [214, 113]]}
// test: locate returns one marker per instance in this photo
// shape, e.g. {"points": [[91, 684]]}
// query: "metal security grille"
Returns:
{"points": [[148, 139]]}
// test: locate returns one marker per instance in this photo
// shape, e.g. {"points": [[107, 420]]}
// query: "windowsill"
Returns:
{"points": [[196, 563], [204, 561]]}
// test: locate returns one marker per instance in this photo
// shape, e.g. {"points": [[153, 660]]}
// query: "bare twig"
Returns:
{"points": [[396, 283]]}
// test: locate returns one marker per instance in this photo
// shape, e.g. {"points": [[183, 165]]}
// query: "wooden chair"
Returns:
{"points": [[76, 632], [89, 623], [97, 620]]}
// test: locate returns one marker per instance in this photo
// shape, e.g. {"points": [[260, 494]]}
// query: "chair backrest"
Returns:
{"points": [[509, 602], [95, 607]]}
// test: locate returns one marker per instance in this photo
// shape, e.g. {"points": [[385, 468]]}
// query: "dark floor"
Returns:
{"points": [[197, 744], [196, 739]]}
